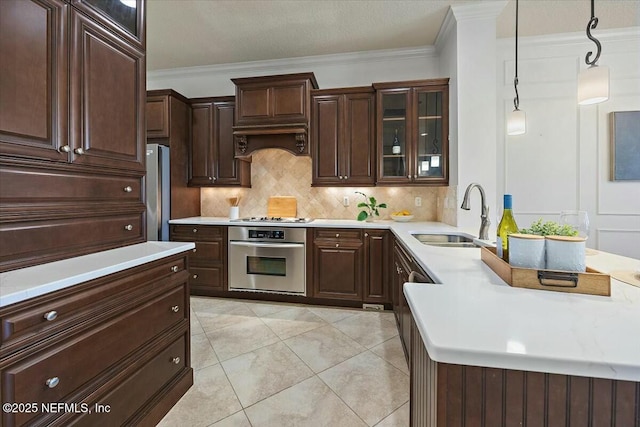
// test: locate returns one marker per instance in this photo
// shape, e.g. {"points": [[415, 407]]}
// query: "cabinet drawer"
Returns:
{"points": [[209, 277], [207, 252], [96, 298], [338, 233], [50, 239], [74, 362], [125, 399], [58, 185], [192, 233]]}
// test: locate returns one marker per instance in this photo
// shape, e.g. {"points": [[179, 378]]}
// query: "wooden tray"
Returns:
{"points": [[591, 282]]}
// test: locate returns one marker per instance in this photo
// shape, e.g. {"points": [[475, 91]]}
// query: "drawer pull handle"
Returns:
{"points": [[52, 382], [175, 308], [51, 315], [195, 276], [128, 227], [79, 151], [128, 189], [64, 149], [175, 360], [175, 268]]}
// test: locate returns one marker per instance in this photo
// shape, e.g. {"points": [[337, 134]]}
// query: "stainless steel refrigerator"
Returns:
{"points": [[158, 192]]}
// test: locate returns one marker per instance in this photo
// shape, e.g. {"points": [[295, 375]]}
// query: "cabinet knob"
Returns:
{"points": [[175, 268], [337, 245], [195, 230], [51, 315], [366, 234], [195, 276], [409, 176], [175, 308], [79, 151], [194, 250], [214, 178], [128, 227], [337, 234], [52, 382], [64, 149], [415, 176], [175, 360], [128, 189], [341, 177]]}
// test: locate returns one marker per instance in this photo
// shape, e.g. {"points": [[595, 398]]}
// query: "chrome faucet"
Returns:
{"points": [[484, 224]]}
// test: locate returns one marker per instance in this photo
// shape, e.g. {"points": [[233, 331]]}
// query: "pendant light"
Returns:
{"points": [[593, 83], [516, 120]]}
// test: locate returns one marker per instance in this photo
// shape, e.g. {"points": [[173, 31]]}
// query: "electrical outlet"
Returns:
{"points": [[345, 201], [418, 201]]}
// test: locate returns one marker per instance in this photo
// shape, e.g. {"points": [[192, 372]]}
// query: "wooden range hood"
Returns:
{"points": [[273, 112]]}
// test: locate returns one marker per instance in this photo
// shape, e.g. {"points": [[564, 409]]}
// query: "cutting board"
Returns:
{"points": [[282, 207]]}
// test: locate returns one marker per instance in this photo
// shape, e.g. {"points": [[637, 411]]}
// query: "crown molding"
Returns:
{"points": [[246, 68], [467, 12]]}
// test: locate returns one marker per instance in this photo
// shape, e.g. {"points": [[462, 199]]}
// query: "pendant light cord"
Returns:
{"points": [[593, 23], [516, 100]]}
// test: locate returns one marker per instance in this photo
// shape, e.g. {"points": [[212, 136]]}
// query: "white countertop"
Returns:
{"points": [[472, 317], [25, 283], [329, 223]]}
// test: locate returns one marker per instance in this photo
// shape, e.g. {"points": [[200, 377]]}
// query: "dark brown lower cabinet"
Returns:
{"points": [[446, 395], [208, 261], [377, 249], [337, 263], [115, 350]]}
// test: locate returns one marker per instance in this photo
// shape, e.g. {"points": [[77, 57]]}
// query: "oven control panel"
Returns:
{"points": [[266, 234]]}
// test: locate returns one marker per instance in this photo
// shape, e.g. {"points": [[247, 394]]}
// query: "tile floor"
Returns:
{"points": [[277, 364]]}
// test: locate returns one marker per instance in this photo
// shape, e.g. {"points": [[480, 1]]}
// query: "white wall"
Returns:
{"points": [[562, 162], [331, 71]]}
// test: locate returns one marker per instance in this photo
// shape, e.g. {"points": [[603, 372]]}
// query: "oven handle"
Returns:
{"points": [[268, 245]]}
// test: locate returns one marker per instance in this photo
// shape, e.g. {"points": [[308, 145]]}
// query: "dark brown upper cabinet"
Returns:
{"points": [[212, 150], [72, 142], [343, 137], [34, 100], [413, 132], [169, 123], [122, 17], [75, 92], [273, 112]]}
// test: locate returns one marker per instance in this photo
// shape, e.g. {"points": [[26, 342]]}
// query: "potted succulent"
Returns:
{"points": [[369, 207], [562, 248]]}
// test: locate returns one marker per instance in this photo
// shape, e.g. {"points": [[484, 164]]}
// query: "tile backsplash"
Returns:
{"points": [[279, 173]]}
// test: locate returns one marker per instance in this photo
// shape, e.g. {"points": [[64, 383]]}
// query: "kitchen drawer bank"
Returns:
{"points": [[114, 349], [357, 253]]}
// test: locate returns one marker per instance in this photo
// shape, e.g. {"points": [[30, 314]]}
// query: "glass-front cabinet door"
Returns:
{"points": [[429, 135], [393, 131], [413, 132], [125, 17]]}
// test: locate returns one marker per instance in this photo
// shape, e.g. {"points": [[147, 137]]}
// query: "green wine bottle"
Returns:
{"points": [[507, 226]]}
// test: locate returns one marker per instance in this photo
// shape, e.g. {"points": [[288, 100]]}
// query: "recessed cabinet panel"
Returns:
{"points": [[201, 145], [326, 118], [108, 99], [254, 103], [289, 101], [157, 115], [33, 78]]}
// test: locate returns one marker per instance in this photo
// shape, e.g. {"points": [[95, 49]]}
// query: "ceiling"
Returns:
{"points": [[186, 33]]}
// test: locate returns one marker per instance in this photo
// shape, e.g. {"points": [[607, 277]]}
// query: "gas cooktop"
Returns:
{"points": [[273, 220]]}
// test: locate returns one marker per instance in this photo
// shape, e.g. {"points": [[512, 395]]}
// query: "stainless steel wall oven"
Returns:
{"points": [[267, 259]]}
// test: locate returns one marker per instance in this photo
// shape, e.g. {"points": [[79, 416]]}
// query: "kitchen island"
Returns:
{"points": [[105, 334], [510, 356]]}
